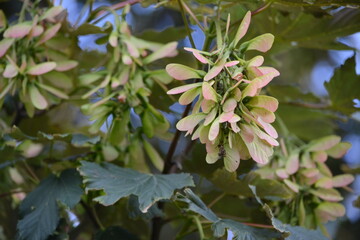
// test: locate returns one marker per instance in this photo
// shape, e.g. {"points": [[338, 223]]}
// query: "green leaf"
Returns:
{"points": [[301, 233], [135, 213], [322, 33], [307, 126], [195, 204], [3, 20], [288, 93], [168, 35], [54, 91], [241, 231], [154, 156], [37, 99], [40, 209], [341, 87], [288, 231], [147, 123], [168, 50], [267, 188], [58, 79], [324, 143], [149, 188]]}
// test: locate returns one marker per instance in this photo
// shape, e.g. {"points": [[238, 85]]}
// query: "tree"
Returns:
{"points": [[92, 142]]}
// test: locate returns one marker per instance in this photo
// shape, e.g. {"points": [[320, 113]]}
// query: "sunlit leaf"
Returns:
{"points": [[19, 30], [261, 43], [182, 72], [63, 66], [49, 33], [168, 50], [41, 68], [242, 28], [37, 99]]}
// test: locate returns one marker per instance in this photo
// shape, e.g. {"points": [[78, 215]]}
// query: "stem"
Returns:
{"points": [[200, 228], [92, 214], [186, 23], [170, 167], [216, 200], [23, 10], [261, 9], [192, 15], [32, 173], [114, 7]]}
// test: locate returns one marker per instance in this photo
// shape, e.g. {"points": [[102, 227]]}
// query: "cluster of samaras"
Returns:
{"points": [[230, 116]]}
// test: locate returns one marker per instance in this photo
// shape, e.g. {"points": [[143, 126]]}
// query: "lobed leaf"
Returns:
{"points": [[40, 209], [119, 182]]}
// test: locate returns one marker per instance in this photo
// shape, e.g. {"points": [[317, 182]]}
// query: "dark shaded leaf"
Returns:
{"points": [[40, 208], [341, 87], [168, 35], [134, 211], [120, 182], [229, 183], [241, 231]]}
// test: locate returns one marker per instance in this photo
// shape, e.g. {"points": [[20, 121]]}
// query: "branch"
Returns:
{"points": [[117, 6]]}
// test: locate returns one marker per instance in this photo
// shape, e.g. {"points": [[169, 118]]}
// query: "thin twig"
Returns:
{"points": [[192, 15], [260, 9], [117, 6], [216, 200], [170, 166], [253, 13], [186, 23], [94, 218]]}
